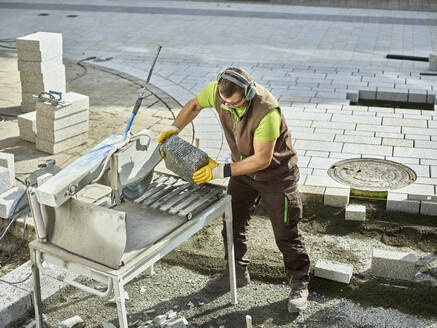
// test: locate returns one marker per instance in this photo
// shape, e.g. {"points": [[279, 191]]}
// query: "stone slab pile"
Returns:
{"points": [[64, 125], [40, 66]]}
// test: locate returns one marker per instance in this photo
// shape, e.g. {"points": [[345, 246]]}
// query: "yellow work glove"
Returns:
{"points": [[210, 171], [167, 133]]}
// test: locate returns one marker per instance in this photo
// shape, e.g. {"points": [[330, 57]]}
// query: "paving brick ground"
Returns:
{"points": [[311, 58]]}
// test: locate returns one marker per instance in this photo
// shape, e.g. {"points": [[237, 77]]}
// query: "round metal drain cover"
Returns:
{"points": [[372, 174]]}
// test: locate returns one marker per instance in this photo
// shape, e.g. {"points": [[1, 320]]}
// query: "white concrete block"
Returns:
{"points": [[5, 183], [27, 107], [40, 41], [62, 134], [394, 265], [39, 67], [75, 102], [355, 212], [391, 94], [428, 207], [38, 55], [55, 148], [14, 304], [39, 76], [37, 88], [46, 122], [399, 202], [8, 200], [336, 197], [56, 74], [7, 161], [333, 271]]}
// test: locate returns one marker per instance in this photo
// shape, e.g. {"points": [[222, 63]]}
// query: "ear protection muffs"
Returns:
{"points": [[248, 86]]}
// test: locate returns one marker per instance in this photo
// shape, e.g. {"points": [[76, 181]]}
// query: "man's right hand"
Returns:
{"points": [[167, 133]]}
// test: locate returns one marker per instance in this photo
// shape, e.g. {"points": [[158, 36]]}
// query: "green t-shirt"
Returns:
{"points": [[268, 128]]}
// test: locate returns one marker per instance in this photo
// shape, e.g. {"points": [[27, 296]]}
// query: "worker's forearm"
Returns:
{"points": [[249, 165], [187, 114]]}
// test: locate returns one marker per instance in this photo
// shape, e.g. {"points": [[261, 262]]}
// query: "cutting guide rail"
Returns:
{"points": [[177, 197]]}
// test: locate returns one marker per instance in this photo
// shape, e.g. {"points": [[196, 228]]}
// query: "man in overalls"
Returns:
{"points": [[264, 166]]}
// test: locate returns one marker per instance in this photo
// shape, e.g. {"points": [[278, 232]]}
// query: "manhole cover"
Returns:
{"points": [[372, 174]]}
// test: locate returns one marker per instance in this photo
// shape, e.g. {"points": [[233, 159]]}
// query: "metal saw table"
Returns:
{"points": [[117, 244]]}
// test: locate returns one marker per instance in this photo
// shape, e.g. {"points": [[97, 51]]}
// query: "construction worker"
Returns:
{"points": [[264, 166]]}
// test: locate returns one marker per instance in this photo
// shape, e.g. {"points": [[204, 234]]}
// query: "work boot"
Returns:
{"points": [[298, 299], [222, 282]]}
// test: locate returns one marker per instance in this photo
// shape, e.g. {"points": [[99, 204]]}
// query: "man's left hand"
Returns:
{"points": [[210, 171]]}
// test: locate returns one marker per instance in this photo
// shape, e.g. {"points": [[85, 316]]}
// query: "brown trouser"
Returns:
{"points": [[284, 207]]}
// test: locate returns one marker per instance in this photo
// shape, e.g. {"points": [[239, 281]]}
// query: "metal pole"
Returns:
{"points": [[120, 300], [231, 255], [37, 303]]}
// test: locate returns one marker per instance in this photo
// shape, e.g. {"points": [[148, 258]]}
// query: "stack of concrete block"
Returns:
{"points": [[64, 125], [27, 126], [40, 65]]}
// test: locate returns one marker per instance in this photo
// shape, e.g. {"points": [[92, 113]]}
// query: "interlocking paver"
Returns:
{"points": [[318, 145], [368, 149]]}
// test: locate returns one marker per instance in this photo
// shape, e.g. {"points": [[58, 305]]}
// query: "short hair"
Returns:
{"points": [[228, 88]]}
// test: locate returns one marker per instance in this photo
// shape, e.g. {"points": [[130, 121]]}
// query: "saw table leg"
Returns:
{"points": [[120, 300], [37, 303], [231, 255]]}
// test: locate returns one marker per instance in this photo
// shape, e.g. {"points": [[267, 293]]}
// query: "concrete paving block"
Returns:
{"points": [[405, 122], [373, 150], [46, 122], [430, 98], [399, 202], [336, 197], [39, 41], [37, 88], [428, 207], [5, 181], [57, 72], [355, 212], [55, 148], [369, 94], [62, 134], [7, 161], [391, 94], [39, 56], [75, 102], [183, 158], [333, 271], [39, 67], [27, 135], [41, 76], [27, 107], [311, 194], [417, 96], [394, 265], [8, 199]]}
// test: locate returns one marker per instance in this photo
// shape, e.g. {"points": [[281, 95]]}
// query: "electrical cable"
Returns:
{"points": [[85, 70]]}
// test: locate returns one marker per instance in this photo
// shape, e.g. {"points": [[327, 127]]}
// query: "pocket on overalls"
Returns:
{"points": [[292, 208]]}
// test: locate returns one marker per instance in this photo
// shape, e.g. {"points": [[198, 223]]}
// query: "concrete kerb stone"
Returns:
{"points": [[5, 183], [39, 42], [62, 134], [54, 148], [311, 194], [428, 207], [76, 103]]}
